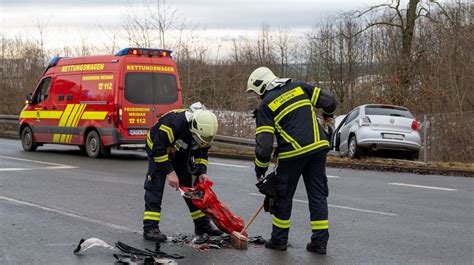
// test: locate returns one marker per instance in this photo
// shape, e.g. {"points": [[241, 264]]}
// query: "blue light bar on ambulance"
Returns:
{"points": [[52, 63], [146, 52]]}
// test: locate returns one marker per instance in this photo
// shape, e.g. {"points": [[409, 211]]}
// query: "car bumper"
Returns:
{"points": [[372, 139]]}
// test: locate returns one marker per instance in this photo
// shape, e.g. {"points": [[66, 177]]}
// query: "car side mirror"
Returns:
{"points": [[29, 99]]}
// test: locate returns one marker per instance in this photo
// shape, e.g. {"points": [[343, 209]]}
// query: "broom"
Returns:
{"points": [[238, 240]]}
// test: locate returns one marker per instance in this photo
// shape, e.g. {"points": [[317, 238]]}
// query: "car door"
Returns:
{"points": [[41, 104], [346, 129]]}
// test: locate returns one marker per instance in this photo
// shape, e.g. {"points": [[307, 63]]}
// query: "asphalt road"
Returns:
{"points": [[51, 198]]}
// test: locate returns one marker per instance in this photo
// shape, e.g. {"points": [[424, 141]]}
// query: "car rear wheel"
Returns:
{"points": [[94, 146], [27, 141], [354, 150], [413, 155]]}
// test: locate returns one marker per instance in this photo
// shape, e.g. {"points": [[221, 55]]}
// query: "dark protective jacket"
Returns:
{"points": [[170, 142], [288, 112]]}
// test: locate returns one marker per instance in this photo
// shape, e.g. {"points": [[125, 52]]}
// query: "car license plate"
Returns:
{"points": [[392, 136], [137, 132]]}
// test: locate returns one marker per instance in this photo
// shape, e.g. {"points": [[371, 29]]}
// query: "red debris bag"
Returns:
{"points": [[224, 219]]}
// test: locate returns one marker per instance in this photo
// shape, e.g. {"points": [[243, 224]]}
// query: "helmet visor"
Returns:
{"points": [[202, 141]]}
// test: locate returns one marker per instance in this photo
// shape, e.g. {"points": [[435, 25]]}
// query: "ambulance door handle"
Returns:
{"points": [[54, 107], [45, 108]]}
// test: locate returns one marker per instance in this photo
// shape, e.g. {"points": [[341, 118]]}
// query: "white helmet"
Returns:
{"points": [[259, 80], [203, 126]]}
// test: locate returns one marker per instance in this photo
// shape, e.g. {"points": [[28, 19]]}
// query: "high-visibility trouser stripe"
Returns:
{"points": [[197, 214], [280, 223], [201, 161], [290, 108], [303, 150], [319, 225], [160, 159], [288, 138], [168, 131], [261, 164], [149, 142], [154, 216], [262, 129], [315, 96]]}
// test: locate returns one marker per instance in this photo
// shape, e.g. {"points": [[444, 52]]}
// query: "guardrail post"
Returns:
{"points": [[425, 139]]}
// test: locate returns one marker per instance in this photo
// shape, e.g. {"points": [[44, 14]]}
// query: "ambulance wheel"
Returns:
{"points": [[27, 140], [93, 144]]}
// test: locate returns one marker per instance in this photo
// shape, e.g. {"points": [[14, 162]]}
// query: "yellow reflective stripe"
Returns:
{"points": [[28, 114], [149, 215], [315, 96], [328, 113], [315, 126], [319, 225], [160, 159], [72, 116], [151, 218], [94, 115], [280, 100], [261, 164], [280, 223], [62, 121], [290, 108], [168, 131], [197, 214], [152, 213], [288, 138], [149, 141], [201, 161], [303, 150], [268, 129], [76, 121]]}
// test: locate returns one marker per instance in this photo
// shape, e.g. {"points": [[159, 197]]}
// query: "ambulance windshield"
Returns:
{"points": [[150, 88]]}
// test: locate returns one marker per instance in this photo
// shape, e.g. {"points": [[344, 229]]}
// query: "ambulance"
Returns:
{"points": [[101, 102]]}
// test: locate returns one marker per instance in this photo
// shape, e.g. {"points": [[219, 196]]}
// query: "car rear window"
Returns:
{"points": [[150, 88], [388, 111]]}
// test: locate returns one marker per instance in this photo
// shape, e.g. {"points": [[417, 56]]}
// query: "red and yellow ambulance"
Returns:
{"points": [[100, 102]]}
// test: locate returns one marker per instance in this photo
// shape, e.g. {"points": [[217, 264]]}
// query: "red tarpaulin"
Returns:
{"points": [[217, 212]]}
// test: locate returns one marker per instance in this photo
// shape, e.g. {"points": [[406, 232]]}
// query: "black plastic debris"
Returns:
{"points": [[147, 252]]}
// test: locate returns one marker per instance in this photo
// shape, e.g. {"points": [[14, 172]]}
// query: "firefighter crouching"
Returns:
{"points": [[177, 148], [287, 111]]}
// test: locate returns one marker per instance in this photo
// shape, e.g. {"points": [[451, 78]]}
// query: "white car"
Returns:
{"points": [[374, 127]]}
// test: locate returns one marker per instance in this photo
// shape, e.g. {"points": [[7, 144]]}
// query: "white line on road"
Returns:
{"points": [[53, 165], [420, 186], [226, 165], [338, 206], [73, 215], [331, 176]]}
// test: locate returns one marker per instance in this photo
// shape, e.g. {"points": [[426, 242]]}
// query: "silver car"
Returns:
{"points": [[374, 127]]}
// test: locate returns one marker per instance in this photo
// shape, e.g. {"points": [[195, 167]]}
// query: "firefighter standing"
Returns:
{"points": [[287, 111], [177, 148]]}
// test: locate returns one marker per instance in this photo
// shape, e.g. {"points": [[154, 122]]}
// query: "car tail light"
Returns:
{"points": [[365, 121], [415, 125]]}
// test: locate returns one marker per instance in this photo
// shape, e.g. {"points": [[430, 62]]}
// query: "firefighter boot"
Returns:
{"points": [[206, 228], [276, 244], [316, 248], [154, 234]]}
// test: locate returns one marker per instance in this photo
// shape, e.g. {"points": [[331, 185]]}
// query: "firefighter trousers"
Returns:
{"points": [[313, 169], [154, 187]]}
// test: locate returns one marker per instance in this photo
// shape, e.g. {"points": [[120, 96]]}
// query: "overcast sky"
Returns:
{"points": [[68, 19]]}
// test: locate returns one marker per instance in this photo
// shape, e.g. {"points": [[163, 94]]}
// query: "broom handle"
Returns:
{"points": [[252, 218]]}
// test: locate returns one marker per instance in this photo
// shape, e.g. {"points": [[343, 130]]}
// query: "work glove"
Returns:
{"points": [[259, 172]]}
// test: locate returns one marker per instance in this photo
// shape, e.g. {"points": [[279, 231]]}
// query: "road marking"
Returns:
{"points": [[340, 207], [69, 214], [226, 165], [52, 165], [331, 176], [423, 187]]}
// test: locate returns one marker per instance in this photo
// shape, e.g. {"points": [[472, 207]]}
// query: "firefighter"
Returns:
{"points": [[177, 149], [287, 111]]}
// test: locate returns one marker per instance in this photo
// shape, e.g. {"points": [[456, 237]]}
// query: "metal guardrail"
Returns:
{"points": [[219, 140], [9, 119]]}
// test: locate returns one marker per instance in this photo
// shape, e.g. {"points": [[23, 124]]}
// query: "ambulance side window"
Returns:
{"points": [[42, 92]]}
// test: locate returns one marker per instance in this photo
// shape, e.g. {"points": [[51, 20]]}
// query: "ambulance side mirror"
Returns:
{"points": [[29, 99]]}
